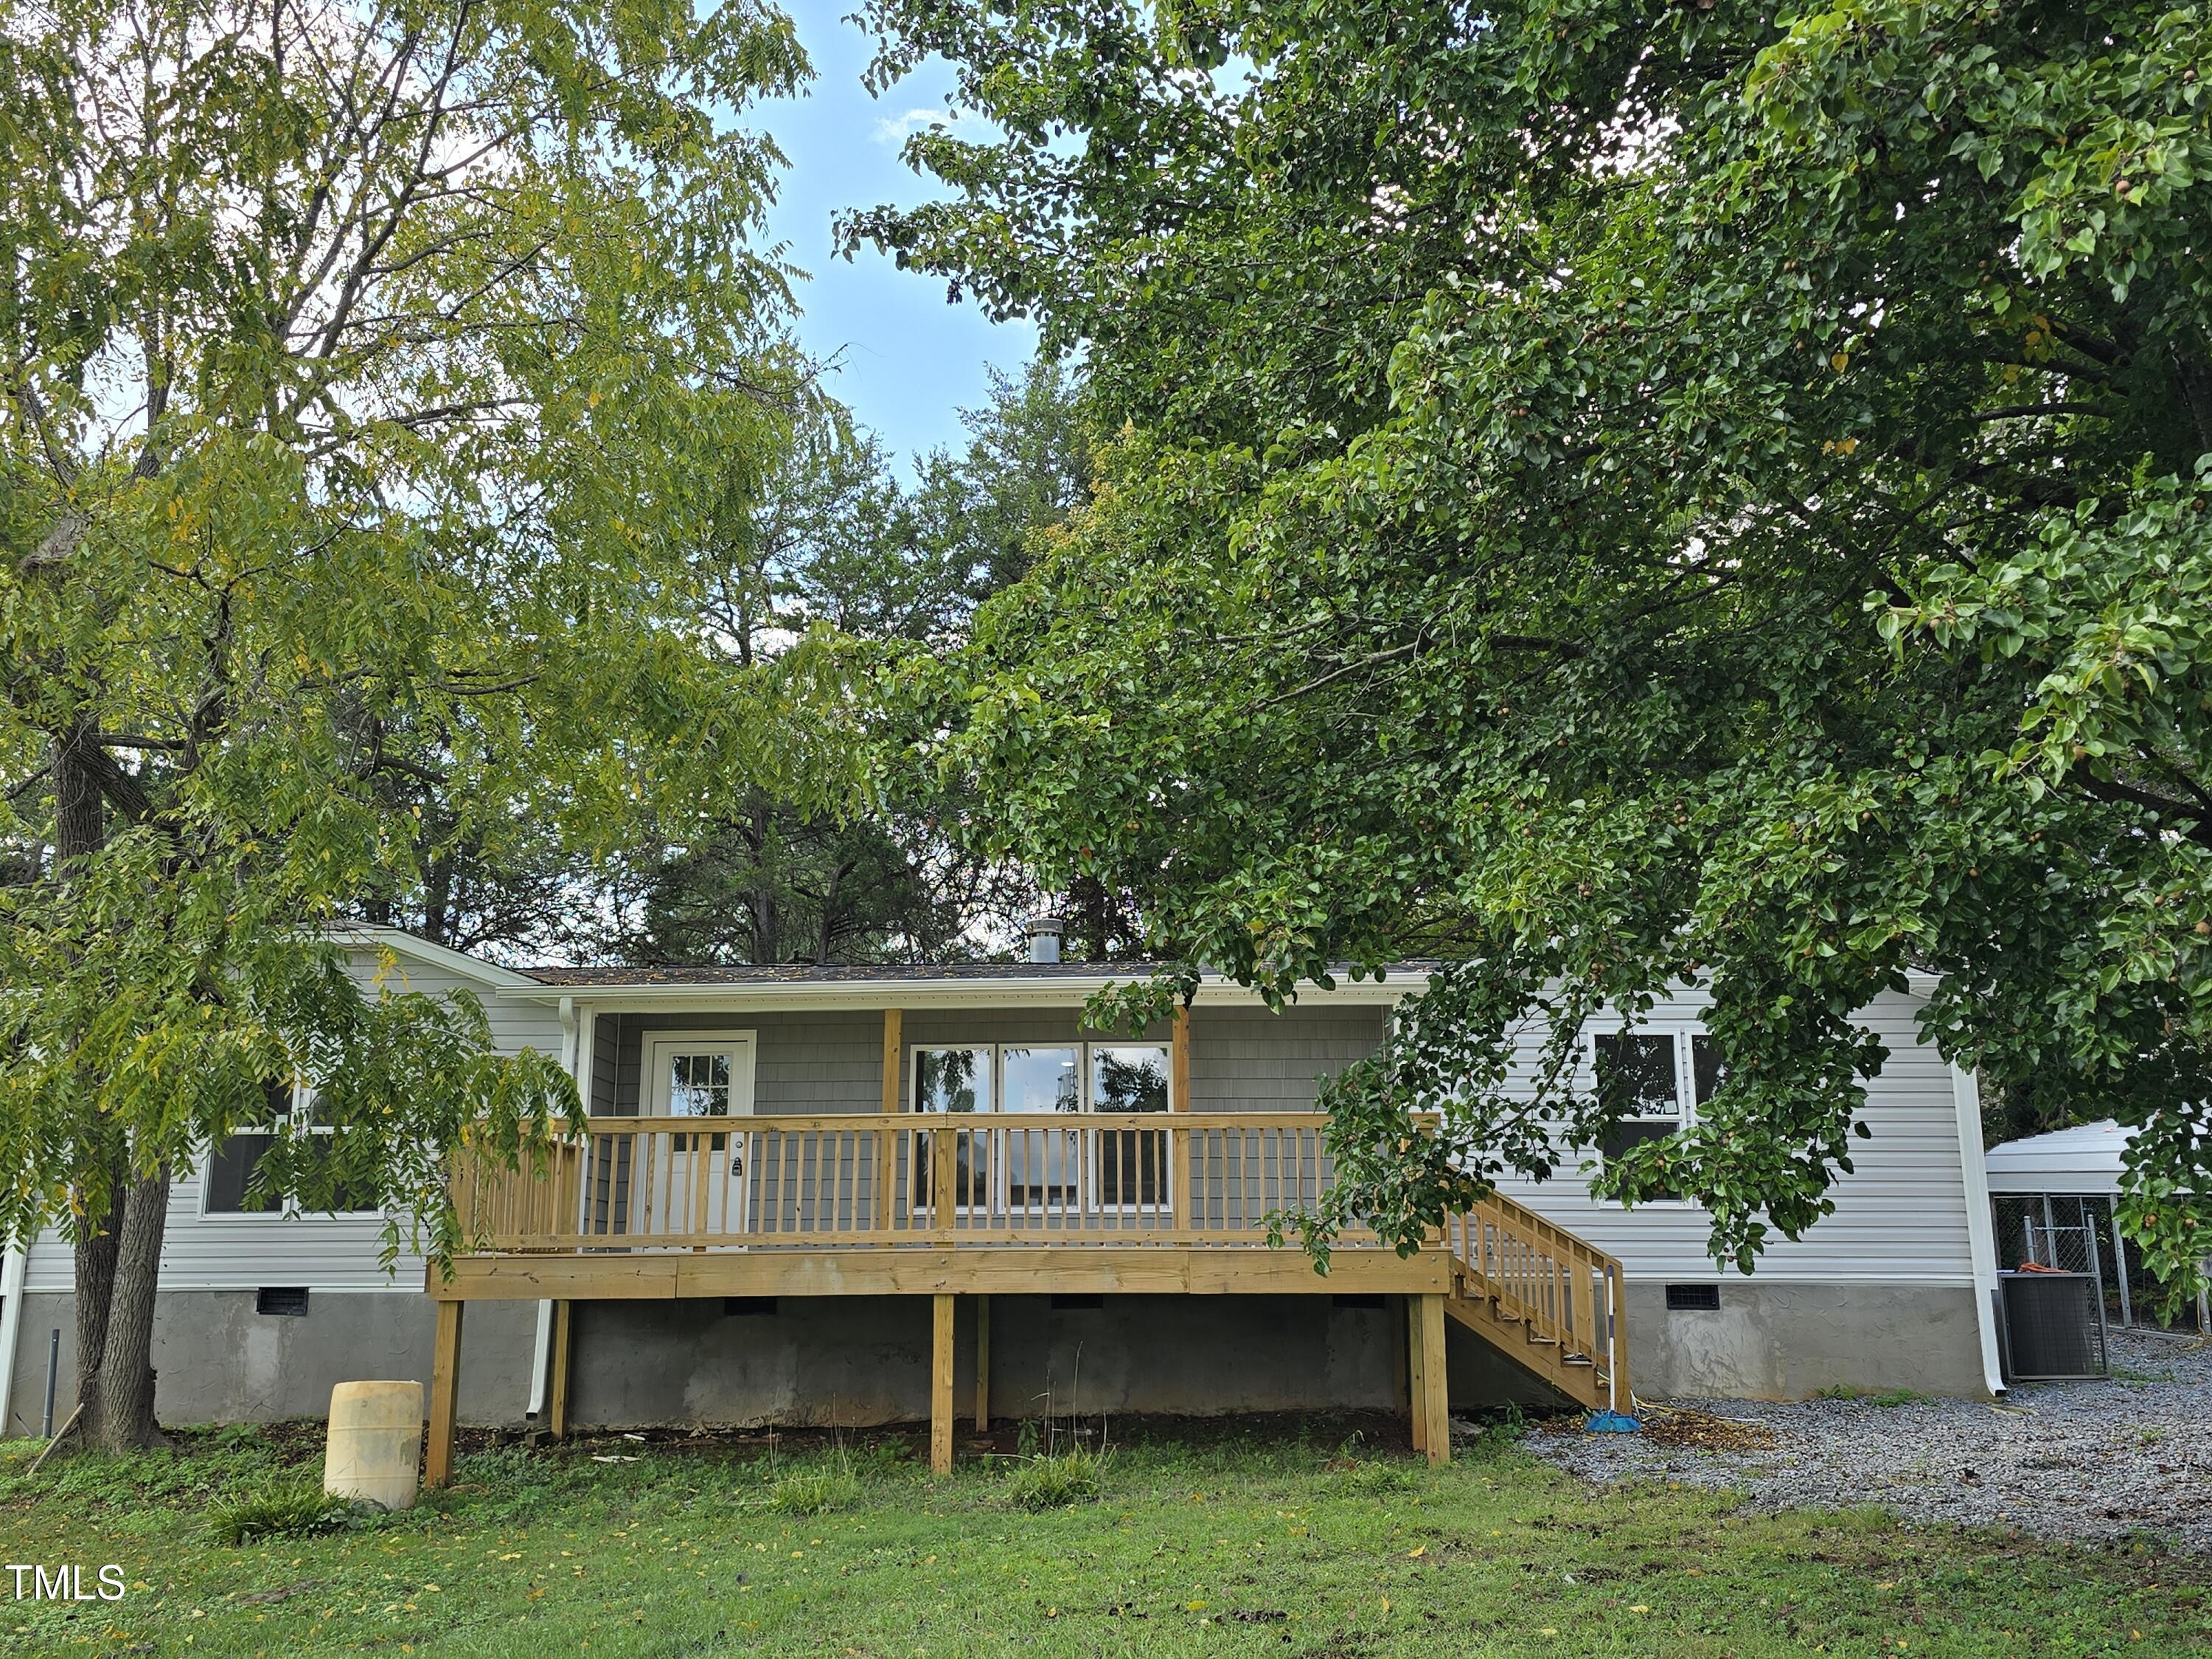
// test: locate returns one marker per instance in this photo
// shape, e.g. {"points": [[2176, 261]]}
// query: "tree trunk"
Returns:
{"points": [[1093, 917], [80, 831], [124, 1421], [437, 899], [95, 1289], [80, 813]]}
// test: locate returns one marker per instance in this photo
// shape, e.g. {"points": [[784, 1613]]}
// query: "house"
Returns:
{"points": [[949, 1199]]}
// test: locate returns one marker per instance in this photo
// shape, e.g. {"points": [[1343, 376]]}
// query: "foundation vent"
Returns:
{"points": [[1694, 1298], [285, 1300]]}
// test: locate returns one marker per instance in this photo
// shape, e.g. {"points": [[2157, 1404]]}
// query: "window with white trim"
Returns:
{"points": [[1021, 1077], [1655, 1081], [224, 1187], [1114, 1167]]}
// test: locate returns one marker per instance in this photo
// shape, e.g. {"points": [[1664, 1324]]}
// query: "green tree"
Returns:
{"points": [[1616, 494], [1026, 469], [361, 369], [831, 538]]}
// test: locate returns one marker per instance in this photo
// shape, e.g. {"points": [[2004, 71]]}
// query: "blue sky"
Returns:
{"points": [[909, 363]]}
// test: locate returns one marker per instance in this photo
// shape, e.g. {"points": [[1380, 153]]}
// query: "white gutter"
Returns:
{"points": [[1981, 1226], [12, 1268]]}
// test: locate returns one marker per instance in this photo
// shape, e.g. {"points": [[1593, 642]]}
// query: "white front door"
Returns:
{"points": [[703, 1074]]}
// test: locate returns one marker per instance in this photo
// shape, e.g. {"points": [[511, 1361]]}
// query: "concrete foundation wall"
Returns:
{"points": [[216, 1360], [865, 1360], [860, 1360], [1785, 1342]]}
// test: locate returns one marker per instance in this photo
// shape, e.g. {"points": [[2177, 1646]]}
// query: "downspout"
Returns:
{"points": [[541, 1353], [1981, 1226], [12, 1266]]}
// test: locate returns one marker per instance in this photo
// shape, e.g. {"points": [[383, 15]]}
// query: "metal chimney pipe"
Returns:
{"points": [[1044, 933]]}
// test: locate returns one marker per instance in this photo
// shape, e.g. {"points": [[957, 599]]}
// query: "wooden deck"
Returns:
{"points": [[942, 1205]]}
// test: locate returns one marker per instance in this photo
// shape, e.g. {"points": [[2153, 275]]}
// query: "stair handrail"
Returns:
{"points": [[1558, 1286]]}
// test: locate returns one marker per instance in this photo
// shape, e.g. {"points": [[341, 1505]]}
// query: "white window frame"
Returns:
{"points": [[1086, 1104], [300, 1116], [1684, 1035], [1086, 1101]]}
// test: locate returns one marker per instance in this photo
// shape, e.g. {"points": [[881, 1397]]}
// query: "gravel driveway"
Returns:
{"points": [[2065, 1460]]}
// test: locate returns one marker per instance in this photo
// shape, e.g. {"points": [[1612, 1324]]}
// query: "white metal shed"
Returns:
{"points": [[2084, 1160]]}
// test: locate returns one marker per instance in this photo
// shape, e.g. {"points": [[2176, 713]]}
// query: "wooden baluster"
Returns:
{"points": [[568, 1199], [1189, 1149], [703, 1163], [787, 1169], [886, 1180]]}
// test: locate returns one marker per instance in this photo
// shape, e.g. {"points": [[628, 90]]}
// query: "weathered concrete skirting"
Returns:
{"points": [[865, 1360], [1779, 1340], [216, 1361]]}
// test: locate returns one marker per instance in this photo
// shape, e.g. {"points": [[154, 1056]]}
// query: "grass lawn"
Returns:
{"points": [[1274, 1542]]}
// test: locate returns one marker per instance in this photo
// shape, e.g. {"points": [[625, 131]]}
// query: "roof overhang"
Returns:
{"points": [[1069, 991], [407, 947]]}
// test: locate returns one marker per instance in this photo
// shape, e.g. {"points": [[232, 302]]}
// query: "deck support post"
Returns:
{"points": [[1436, 1388], [444, 1395], [557, 1405], [940, 1387], [1181, 1215], [982, 1364], [1417, 1393], [887, 1139]]}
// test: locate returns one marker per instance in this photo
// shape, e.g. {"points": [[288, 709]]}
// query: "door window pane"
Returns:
{"points": [[952, 1080], [1128, 1078], [699, 1085]]}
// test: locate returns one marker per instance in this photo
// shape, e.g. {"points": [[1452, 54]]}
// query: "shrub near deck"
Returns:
{"points": [[1273, 1546]]}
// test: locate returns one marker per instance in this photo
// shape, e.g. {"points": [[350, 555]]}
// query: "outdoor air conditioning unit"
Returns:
{"points": [[2054, 1326]]}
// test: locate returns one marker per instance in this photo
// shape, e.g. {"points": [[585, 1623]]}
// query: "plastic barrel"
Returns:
{"points": [[374, 1453]]}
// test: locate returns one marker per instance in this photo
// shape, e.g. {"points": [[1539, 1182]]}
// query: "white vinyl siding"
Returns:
{"points": [[1900, 1217], [323, 1252]]}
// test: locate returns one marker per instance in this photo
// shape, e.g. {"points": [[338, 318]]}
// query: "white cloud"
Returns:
{"points": [[965, 123]]}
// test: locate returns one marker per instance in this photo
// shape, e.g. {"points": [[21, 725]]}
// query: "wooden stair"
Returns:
{"points": [[1548, 1301]]}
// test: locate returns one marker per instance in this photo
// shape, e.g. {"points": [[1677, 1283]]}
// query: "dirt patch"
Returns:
{"points": [[1700, 1430]]}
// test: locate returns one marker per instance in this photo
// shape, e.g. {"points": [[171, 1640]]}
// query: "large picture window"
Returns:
{"points": [[1041, 1168]]}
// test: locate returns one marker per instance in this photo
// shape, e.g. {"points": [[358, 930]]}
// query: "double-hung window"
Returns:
{"points": [[1021, 1161], [1653, 1082], [231, 1165]]}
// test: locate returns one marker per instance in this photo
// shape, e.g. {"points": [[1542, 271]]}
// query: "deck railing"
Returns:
{"points": [[762, 1181], [689, 1182]]}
